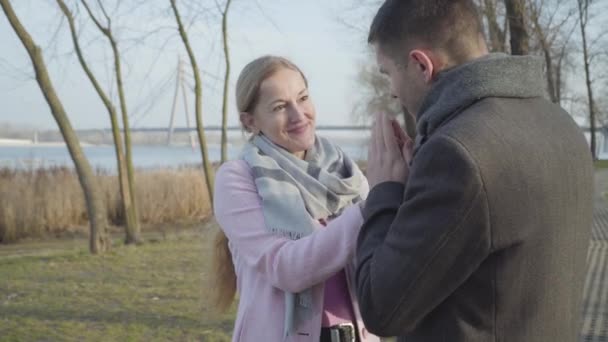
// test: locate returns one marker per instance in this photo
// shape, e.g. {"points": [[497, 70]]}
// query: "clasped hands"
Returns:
{"points": [[389, 153]]}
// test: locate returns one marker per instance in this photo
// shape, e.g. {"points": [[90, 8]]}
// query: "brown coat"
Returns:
{"points": [[488, 239]]}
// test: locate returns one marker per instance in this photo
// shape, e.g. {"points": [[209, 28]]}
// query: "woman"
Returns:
{"points": [[290, 212]]}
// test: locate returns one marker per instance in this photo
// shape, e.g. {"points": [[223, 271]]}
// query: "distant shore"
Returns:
{"points": [[27, 142], [235, 139], [16, 142]]}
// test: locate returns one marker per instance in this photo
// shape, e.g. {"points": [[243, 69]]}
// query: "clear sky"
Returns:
{"points": [[308, 32]]}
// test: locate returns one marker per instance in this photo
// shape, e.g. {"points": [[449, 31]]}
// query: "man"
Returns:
{"points": [[479, 231]]}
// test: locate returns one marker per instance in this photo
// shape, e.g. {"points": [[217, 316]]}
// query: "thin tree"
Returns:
{"points": [[98, 238], [131, 220], [583, 12], [133, 229], [226, 82], [563, 58], [516, 14], [178, 81], [198, 98], [496, 33], [550, 34]]}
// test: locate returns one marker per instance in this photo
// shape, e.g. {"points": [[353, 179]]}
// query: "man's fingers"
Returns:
{"points": [[400, 134], [390, 141], [397, 133], [408, 150], [373, 146]]}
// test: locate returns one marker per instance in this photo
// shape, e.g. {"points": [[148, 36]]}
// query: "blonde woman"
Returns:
{"points": [[289, 212]]}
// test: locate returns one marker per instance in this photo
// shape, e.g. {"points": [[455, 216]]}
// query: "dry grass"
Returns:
{"points": [[41, 202], [56, 291], [601, 164]]}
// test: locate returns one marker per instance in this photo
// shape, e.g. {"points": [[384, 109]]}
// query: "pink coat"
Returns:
{"points": [[267, 264]]}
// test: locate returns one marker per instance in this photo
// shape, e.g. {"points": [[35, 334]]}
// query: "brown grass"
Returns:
{"points": [[40, 202], [55, 290]]}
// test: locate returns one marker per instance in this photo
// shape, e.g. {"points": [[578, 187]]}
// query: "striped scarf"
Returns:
{"points": [[297, 193]]}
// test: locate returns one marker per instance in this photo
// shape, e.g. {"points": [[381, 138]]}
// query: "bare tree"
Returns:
{"points": [[198, 94], [226, 82], [583, 12], [602, 106], [516, 15], [563, 62], [98, 238], [553, 33], [128, 205], [133, 231], [496, 33]]}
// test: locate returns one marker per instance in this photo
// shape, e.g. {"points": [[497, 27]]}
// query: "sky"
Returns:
{"points": [[309, 33]]}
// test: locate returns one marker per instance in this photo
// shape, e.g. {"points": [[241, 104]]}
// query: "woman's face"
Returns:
{"points": [[284, 112]]}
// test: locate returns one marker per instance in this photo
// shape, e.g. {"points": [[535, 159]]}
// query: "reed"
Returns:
{"points": [[49, 201]]}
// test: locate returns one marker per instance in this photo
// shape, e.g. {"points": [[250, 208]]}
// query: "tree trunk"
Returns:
{"points": [[542, 36], [98, 239], [132, 228], [559, 65], [134, 232], [131, 223], [558, 79], [178, 80], [198, 92], [226, 80], [551, 85], [517, 26], [497, 35], [583, 10]]}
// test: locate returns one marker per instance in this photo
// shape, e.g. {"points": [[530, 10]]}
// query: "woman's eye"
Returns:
{"points": [[304, 98], [278, 108]]}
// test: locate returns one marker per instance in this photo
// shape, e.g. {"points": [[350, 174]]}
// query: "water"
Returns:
{"points": [[103, 157]]}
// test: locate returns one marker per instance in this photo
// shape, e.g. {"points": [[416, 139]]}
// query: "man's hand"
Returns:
{"points": [[389, 153], [406, 144]]}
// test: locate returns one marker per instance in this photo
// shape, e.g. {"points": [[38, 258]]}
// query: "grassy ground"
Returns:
{"points": [[56, 291], [601, 164]]}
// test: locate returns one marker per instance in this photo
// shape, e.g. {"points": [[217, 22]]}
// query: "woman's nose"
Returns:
{"points": [[296, 112]]}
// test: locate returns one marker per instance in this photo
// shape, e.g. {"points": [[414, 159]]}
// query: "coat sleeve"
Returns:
{"points": [[421, 241], [290, 265]]}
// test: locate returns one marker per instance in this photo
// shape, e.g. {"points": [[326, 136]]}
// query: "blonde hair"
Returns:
{"points": [[252, 76], [247, 96]]}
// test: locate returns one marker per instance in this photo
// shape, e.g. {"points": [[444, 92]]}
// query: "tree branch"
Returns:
{"points": [[97, 23]]}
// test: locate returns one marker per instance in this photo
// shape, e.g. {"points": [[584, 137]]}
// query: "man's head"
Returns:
{"points": [[416, 39]]}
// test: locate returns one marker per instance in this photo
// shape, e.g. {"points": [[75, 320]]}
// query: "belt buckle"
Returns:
{"points": [[336, 332]]}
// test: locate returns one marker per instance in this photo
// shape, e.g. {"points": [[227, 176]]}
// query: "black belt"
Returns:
{"points": [[339, 333]]}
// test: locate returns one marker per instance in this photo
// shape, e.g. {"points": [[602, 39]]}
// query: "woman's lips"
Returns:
{"points": [[299, 129]]}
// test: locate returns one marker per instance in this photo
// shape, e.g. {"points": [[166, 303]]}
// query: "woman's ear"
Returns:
{"points": [[248, 122]]}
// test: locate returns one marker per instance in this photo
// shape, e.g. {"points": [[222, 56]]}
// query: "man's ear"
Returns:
{"points": [[423, 62], [248, 122]]}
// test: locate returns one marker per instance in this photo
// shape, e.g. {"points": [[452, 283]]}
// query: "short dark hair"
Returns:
{"points": [[450, 25]]}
